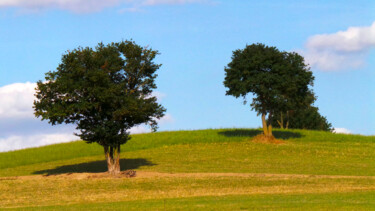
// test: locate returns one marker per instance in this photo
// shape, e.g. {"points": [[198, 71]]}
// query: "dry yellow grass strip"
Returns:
{"points": [[148, 174], [160, 174], [77, 188]]}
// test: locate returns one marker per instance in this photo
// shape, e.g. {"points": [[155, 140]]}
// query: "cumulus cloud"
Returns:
{"points": [[17, 100], [341, 50], [86, 6], [18, 126], [342, 130], [159, 95], [20, 142], [20, 129], [166, 119]]}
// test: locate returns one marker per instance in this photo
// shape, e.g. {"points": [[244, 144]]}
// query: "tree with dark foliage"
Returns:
{"points": [[104, 91], [279, 81], [305, 117]]}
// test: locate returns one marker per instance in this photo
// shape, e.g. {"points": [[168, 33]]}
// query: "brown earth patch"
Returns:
{"points": [[75, 176], [261, 138]]}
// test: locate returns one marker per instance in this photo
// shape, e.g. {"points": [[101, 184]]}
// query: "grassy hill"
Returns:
{"points": [[205, 169]]}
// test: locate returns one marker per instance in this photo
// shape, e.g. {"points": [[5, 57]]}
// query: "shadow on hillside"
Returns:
{"points": [[252, 132], [96, 166]]}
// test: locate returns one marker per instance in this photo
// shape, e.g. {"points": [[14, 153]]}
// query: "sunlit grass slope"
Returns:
{"points": [[215, 169], [325, 201], [224, 150]]}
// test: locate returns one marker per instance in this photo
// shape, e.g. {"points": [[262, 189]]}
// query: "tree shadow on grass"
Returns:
{"points": [[96, 166], [253, 132]]}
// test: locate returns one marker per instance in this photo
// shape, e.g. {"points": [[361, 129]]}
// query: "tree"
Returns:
{"points": [[105, 92], [279, 81], [306, 117]]}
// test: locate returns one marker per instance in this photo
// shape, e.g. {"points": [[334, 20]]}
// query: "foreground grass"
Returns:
{"points": [[330, 201], [58, 190], [311, 169]]}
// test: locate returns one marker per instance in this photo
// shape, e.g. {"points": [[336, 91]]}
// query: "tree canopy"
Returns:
{"points": [[103, 91], [279, 81]]}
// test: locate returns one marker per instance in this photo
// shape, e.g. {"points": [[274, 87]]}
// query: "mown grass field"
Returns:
{"points": [[197, 170]]}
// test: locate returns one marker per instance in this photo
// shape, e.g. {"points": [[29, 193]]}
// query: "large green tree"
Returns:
{"points": [[278, 81], [103, 91]]}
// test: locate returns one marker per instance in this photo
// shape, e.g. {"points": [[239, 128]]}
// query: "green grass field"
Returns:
{"points": [[197, 170]]}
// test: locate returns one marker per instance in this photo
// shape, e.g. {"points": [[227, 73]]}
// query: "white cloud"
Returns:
{"points": [[354, 39], [20, 142], [140, 129], [85, 6], [341, 50], [17, 100], [18, 126], [342, 130], [167, 118], [159, 95]]}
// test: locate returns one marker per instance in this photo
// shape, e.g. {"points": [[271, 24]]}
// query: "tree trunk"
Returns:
{"points": [[281, 122], [112, 155], [269, 130], [270, 125], [264, 123]]}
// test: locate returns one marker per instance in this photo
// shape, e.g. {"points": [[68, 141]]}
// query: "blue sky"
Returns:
{"points": [[196, 39]]}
